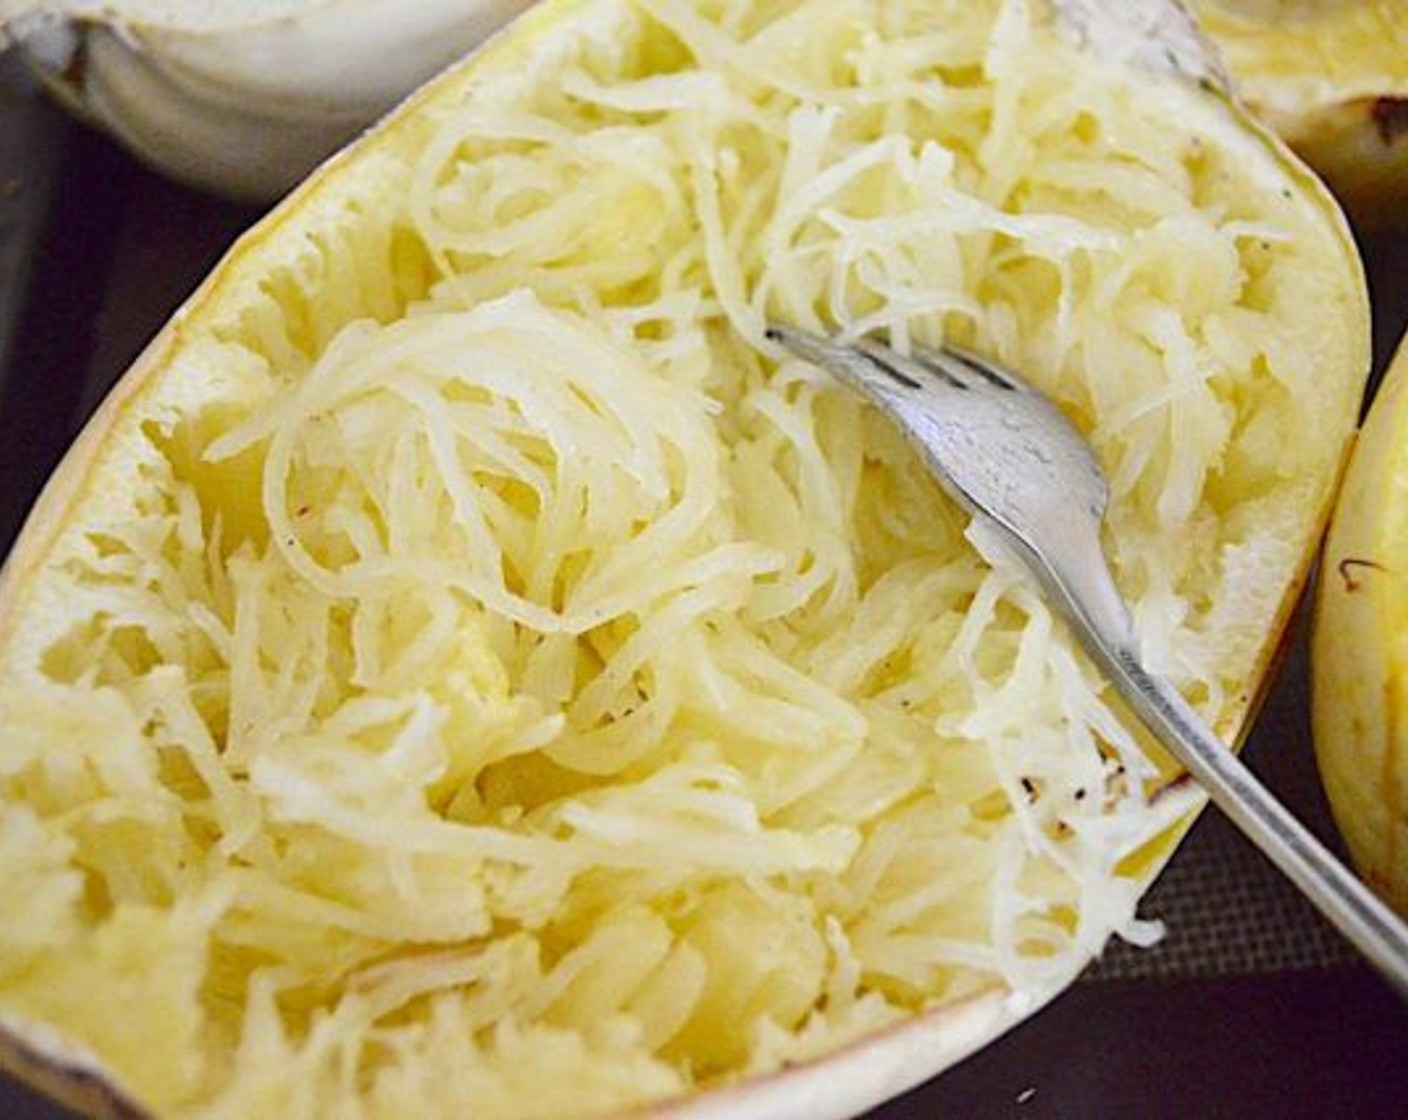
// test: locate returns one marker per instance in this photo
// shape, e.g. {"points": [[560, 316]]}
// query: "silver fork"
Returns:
{"points": [[1008, 455]]}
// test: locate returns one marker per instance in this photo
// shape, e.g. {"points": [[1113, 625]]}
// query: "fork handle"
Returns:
{"points": [[1071, 565], [1334, 890]]}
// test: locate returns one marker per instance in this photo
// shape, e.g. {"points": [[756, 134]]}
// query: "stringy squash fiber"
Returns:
{"points": [[466, 670]]}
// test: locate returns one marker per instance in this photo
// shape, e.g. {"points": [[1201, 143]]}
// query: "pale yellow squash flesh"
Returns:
{"points": [[463, 668], [1360, 652], [1331, 77]]}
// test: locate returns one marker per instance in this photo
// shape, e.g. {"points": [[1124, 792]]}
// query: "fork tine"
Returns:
{"points": [[951, 365], [891, 363], [873, 370], [870, 366], [815, 348], [967, 368]]}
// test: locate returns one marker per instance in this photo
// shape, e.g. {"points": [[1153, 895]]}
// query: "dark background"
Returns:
{"points": [[1251, 1007]]}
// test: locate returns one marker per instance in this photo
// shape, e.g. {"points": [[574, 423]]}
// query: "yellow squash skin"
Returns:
{"points": [[1331, 76], [842, 1083], [1360, 652]]}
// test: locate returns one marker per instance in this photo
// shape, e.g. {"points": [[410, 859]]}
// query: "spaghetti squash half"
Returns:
{"points": [[465, 669], [1331, 77], [1359, 670]]}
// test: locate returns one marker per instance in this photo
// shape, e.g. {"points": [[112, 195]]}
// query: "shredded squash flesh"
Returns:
{"points": [[490, 679]]}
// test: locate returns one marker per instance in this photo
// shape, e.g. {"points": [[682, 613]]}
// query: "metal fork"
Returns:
{"points": [[1009, 456]]}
